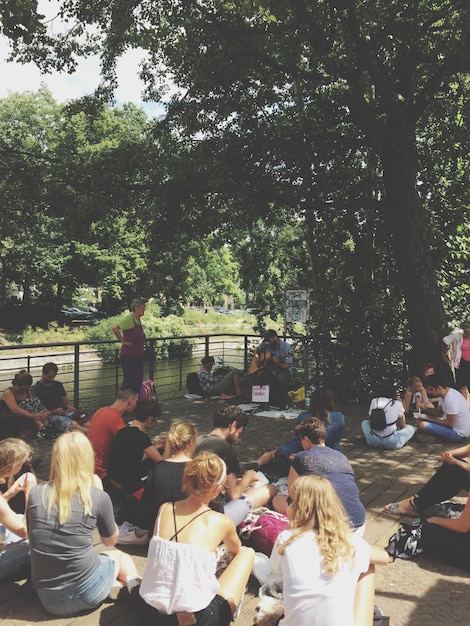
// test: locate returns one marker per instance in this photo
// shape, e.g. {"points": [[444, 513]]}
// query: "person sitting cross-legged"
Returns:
{"points": [[52, 394], [317, 459], [105, 424], [179, 584], [321, 406], [132, 452], [327, 571], [450, 420], [395, 433], [68, 574], [239, 496], [14, 453]]}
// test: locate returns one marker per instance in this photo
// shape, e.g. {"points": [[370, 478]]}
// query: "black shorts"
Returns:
{"points": [[462, 374], [218, 613]]}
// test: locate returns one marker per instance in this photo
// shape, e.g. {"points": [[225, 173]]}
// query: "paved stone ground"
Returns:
{"points": [[412, 593]]}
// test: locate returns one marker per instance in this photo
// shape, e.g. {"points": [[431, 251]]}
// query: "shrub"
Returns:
{"points": [[171, 326]]}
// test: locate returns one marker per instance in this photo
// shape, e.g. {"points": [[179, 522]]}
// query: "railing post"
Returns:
{"points": [[305, 361], [207, 346], [151, 358], [245, 358], [116, 371], [76, 375]]}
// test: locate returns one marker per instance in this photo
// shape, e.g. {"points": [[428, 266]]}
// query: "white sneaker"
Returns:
{"points": [[129, 534], [125, 526]]}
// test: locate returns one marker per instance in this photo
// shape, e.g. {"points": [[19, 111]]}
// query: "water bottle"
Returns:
{"points": [[308, 393]]}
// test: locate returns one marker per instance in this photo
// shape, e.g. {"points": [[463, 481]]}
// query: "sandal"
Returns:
{"points": [[394, 509]]}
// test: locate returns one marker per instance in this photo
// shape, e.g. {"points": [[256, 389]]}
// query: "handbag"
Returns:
{"points": [[406, 542]]}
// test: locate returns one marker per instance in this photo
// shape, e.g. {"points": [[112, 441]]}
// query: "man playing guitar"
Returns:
{"points": [[272, 362]]}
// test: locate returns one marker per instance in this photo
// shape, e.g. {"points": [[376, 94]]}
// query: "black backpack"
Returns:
{"points": [[378, 421], [192, 383]]}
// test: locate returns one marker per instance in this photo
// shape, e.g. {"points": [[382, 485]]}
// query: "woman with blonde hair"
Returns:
{"points": [[327, 571], [67, 573], [164, 484], [14, 553], [180, 580]]}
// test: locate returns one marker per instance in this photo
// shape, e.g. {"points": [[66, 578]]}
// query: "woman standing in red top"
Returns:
{"points": [[130, 333]]}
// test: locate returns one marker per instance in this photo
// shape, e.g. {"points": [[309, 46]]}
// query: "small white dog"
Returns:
{"points": [[270, 607], [269, 610]]}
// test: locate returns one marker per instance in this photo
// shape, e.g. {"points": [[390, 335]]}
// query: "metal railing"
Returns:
{"points": [[91, 371]]}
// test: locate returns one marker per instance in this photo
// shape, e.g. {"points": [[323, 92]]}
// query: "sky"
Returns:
{"points": [[16, 77]]}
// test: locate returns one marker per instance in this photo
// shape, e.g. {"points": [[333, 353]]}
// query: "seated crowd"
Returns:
{"points": [[185, 495]]}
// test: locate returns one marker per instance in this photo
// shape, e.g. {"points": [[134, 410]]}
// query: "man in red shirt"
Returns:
{"points": [[105, 423]]}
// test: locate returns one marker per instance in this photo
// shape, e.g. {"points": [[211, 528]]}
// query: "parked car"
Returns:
{"points": [[74, 315]]}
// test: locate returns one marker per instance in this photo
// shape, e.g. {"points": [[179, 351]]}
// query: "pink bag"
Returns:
{"points": [[262, 533]]}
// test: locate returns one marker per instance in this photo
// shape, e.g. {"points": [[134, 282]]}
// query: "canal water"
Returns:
{"points": [[98, 382]]}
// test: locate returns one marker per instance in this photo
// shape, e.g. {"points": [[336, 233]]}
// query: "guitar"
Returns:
{"points": [[259, 362], [264, 360]]}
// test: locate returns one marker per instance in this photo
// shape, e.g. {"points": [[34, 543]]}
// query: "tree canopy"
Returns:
{"points": [[326, 140]]}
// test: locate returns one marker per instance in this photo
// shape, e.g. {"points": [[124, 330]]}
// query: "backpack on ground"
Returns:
{"points": [[260, 532], [148, 391], [378, 420], [192, 383], [406, 542]]}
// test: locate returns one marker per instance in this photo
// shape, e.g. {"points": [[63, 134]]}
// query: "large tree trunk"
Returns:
{"points": [[411, 244]]}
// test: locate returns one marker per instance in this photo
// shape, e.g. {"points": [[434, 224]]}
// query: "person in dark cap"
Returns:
{"points": [[272, 362]]}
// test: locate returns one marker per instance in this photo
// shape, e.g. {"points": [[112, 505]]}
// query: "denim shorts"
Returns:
{"points": [[14, 555], [82, 597]]}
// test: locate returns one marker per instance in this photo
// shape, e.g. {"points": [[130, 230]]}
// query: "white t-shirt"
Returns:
{"points": [[311, 596], [453, 403], [393, 411]]}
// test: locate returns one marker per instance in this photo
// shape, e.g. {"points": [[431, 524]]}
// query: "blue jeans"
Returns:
{"points": [[393, 442], [85, 596], [61, 423], [443, 432], [237, 509], [14, 555]]}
